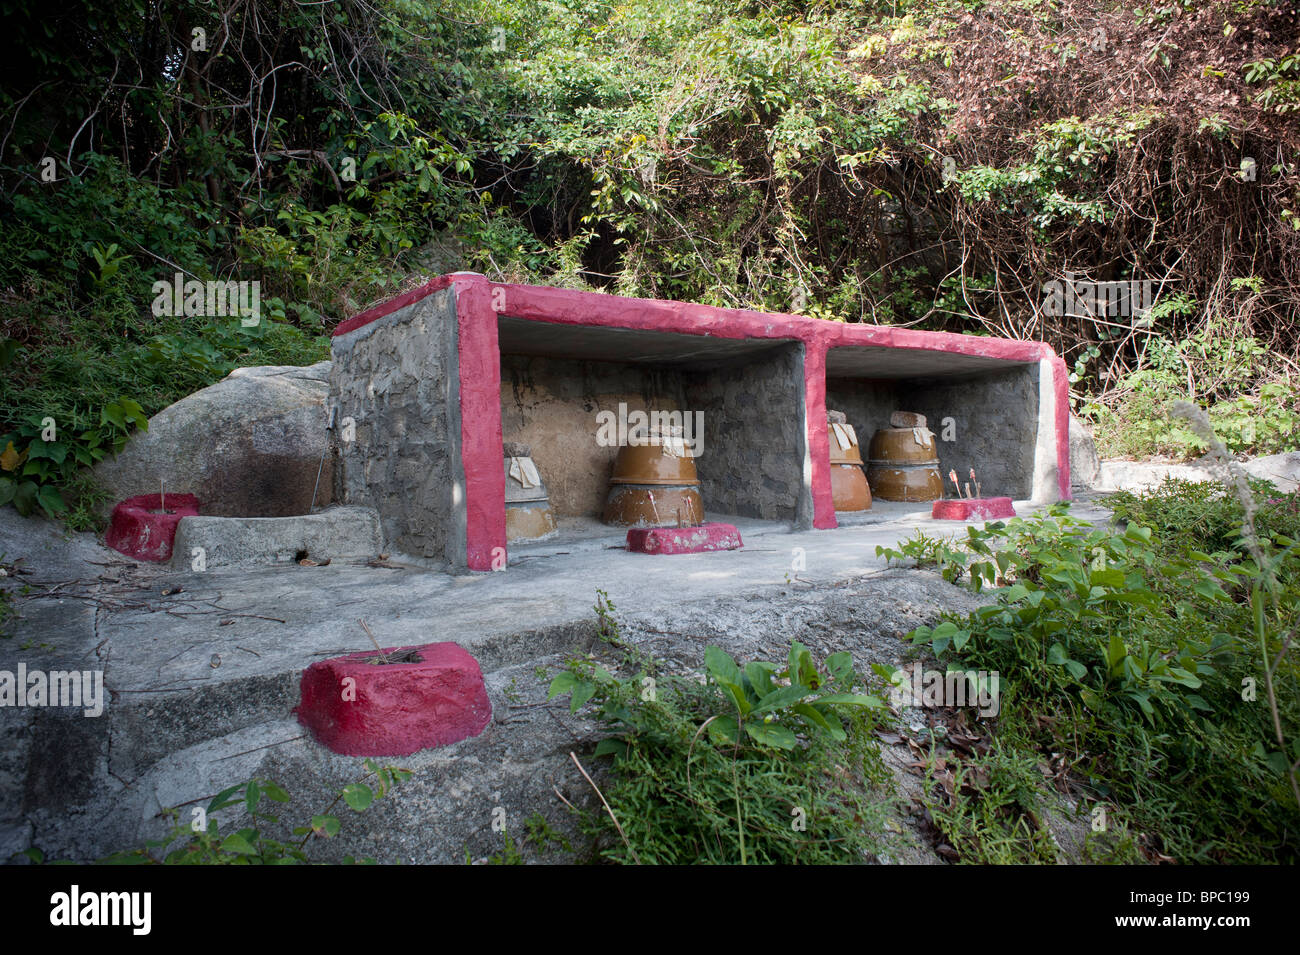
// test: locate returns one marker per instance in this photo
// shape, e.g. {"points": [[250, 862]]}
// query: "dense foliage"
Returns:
{"points": [[1152, 667], [931, 164], [763, 763]]}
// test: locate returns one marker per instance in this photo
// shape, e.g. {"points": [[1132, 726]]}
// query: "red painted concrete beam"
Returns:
{"points": [[480, 422], [392, 305]]}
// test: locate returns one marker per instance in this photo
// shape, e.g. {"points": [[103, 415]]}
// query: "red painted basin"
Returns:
{"points": [[683, 540], [361, 708], [141, 528], [973, 508]]}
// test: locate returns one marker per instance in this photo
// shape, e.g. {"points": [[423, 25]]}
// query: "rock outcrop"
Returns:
{"points": [[249, 446]]}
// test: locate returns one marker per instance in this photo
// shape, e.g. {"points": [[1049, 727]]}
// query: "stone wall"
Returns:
{"points": [[755, 436], [995, 421], [866, 403], [397, 379], [995, 427], [552, 404]]}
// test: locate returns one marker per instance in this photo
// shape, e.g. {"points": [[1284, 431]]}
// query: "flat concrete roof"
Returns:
{"points": [[520, 336], [867, 361]]}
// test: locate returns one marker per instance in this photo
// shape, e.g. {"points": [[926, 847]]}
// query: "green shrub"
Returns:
{"points": [[765, 763], [1143, 660], [1203, 515]]}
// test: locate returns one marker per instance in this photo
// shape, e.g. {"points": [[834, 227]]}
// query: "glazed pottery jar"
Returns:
{"points": [[849, 488], [903, 465], [528, 509]]}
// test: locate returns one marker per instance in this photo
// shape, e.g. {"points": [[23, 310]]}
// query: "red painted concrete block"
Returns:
{"points": [[357, 706], [141, 528], [973, 509], [683, 540]]}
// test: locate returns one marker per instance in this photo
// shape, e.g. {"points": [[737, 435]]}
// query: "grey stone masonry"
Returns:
{"points": [[394, 385], [755, 436], [994, 427]]}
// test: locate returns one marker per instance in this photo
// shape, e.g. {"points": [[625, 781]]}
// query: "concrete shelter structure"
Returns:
{"points": [[425, 387]]}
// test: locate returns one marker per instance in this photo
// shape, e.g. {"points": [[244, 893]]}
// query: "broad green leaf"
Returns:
{"points": [[113, 414], [1210, 590], [723, 730], [760, 677], [582, 692], [1018, 591], [25, 497], [1115, 654], [1110, 577], [721, 666], [1277, 762], [802, 668], [852, 699], [563, 683], [611, 747], [1141, 699], [771, 734], [781, 697], [238, 844], [358, 796], [222, 799], [327, 826], [826, 721], [840, 665]]}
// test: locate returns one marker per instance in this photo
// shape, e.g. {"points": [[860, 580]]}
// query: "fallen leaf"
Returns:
{"points": [[10, 458]]}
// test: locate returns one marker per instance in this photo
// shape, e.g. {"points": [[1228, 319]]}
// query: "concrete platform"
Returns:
{"points": [[203, 668]]}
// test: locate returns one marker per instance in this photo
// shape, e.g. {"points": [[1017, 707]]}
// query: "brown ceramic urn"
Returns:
{"points": [[849, 489], [903, 464], [655, 485], [528, 509]]}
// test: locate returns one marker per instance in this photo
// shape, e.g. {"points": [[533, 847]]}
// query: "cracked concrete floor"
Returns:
{"points": [[203, 667]]}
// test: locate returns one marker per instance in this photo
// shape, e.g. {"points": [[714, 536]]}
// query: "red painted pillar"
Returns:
{"points": [[1061, 383], [819, 452], [480, 420]]}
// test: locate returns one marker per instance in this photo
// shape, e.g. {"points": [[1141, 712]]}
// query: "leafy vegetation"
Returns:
{"points": [[1150, 668], [759, 764], [199, 841]]}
